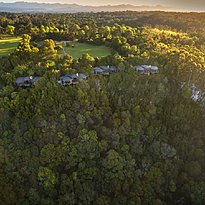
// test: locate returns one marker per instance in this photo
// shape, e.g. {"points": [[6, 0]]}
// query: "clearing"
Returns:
{"points": [[8, 44], [76, 50]]}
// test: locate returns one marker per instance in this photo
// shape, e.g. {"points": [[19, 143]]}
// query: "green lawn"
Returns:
{"points": [[8, 45], [81, 48]]}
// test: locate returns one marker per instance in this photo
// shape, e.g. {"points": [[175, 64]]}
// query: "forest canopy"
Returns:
{"points": [[125, 138]]}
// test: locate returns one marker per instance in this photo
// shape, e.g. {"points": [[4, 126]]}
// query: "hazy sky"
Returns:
{"points": [[186, 4]]}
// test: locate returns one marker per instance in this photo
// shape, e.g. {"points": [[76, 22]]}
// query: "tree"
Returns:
{"points": [[10, 29], [87, 60]]}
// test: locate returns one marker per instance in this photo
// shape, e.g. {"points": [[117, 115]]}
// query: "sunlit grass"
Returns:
{"points": [[8, 45], [81, 48]]}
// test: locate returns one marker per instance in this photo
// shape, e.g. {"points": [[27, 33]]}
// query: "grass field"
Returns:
{"points": [[8, 45], [81, 48]]}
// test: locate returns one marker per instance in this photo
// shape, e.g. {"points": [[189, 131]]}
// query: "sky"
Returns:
{"points": [[182, 4]]}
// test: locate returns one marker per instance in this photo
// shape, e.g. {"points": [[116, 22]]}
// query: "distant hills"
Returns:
{"points": [[27, 7]]}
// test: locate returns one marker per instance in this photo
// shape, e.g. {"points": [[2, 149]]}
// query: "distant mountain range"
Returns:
{"points": [[27, 7]]}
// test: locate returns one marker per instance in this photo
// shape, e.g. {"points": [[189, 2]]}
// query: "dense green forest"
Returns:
{"points": [[122, 139]]}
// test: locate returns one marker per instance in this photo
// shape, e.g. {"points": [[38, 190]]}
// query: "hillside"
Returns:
{"points": [[26, 7]]}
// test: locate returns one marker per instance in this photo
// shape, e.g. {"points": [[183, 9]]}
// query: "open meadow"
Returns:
{"points": [[8, 44], [76, 50]]}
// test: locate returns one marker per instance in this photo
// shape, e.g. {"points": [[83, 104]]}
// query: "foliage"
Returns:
{"points": [[122, 139]]}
